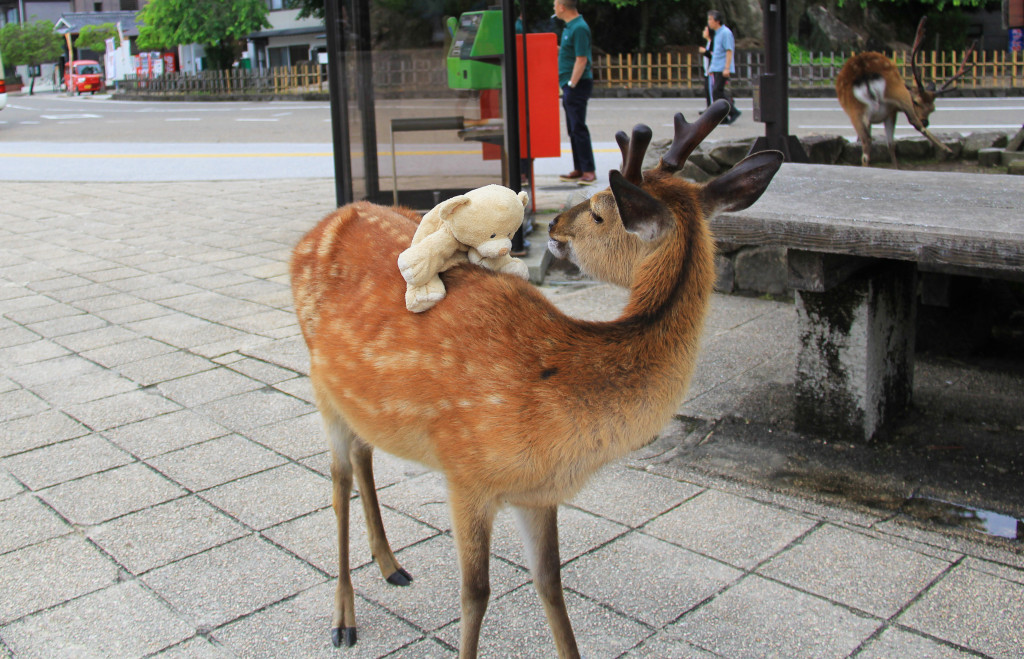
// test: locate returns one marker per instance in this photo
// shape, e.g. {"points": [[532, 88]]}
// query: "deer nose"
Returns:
{"points": [[554, 222]]}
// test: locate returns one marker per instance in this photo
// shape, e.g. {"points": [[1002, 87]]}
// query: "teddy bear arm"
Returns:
{"points": [[425, 259]]}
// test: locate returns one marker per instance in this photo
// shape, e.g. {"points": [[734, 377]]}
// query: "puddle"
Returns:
{"points": [[955, 514]]}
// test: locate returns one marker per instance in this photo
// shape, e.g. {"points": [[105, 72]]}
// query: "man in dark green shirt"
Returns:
{"points": [[577, 81]]}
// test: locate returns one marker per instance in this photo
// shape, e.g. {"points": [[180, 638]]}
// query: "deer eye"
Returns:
{"points": [[493, 235], [597, 218]]}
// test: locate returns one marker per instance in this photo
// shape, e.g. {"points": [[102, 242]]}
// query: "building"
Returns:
{"points": [[289, 41]]}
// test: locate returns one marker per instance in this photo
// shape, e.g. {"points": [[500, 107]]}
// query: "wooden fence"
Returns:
{"points": [[413, 73]]}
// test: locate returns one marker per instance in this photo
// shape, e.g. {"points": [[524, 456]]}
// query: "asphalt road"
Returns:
{"points": [[55, 137]]}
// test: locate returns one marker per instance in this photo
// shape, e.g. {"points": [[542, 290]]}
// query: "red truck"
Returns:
{"points": [[83, 75]]}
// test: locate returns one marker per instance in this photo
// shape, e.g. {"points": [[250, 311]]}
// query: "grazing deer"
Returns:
{"points": [[515, 402], [872, 91]]}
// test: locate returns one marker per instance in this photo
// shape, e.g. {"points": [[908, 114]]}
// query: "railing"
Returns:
{"points": [[422, 72], [998, 69]]}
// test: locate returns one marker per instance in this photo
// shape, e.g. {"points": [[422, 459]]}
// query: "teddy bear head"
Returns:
{"points": [[486, 218]]}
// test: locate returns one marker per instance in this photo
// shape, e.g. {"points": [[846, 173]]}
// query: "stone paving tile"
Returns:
{"points": [[313, 537], [135, 313], [9, 487], [92, 339], [127, 352], [250, 410], [20, 403], [263, 371], [647, 579], [42, 312], [895, 642], [297, 438], [853, 569], [202, 466], [974, 610], [428, 648], [515, 626], [58, 327], [43, 575], [16, 335], [424, 498], [307, 617], [31, 432], [65, 461], [25, 521], [286, 492], [84, 388], [30, 353], [301, 388], [165, 433], [760, 618], [231, 580], [264, 322], [121, 409], [165, 367], [432, 600], [579, 532], [667, 645], [208, 386], [109, 494], [730, 528], [125, 620], [165, 533], [631, 497], [196, 647], [59, 369]]}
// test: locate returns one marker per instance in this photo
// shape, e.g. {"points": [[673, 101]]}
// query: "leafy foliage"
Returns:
{"points": [[29, 43], [94, 37], [219, 25]]}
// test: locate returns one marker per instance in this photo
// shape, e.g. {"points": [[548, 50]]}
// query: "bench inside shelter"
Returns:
{"points": [[859, 243]]}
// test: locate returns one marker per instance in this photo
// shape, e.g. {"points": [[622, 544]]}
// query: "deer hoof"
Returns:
{"points": [[346, 635], [400, 578]]}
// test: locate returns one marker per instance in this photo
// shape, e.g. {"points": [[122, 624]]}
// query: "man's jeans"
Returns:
{"points": [[575, 103]]}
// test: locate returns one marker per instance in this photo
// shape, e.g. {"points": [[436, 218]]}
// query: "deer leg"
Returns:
{"points": [[472, 521], [538, 528], [380, 549], [340, 436], [890, 138], [863, 128]]}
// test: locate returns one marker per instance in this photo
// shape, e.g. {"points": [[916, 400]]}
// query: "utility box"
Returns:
{"points": [[474, 60]]}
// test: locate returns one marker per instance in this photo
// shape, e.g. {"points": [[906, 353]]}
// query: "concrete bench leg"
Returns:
{"points": [[855, 369]]}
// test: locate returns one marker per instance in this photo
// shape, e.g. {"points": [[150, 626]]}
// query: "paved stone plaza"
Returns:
{"points": [[164, 489]]}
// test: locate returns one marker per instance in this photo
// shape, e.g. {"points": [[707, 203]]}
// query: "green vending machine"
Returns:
{"points": [[474, 60]]}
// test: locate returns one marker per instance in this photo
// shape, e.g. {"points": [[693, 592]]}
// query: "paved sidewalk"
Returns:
{"points": [[164, 488]]}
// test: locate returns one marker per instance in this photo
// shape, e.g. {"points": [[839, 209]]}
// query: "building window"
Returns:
{"points": [[97, 6], [129, 5], [277, 4]]}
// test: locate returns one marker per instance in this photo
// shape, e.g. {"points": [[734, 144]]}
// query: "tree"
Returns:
{"points": [[94, 37], [219, 25], [31, 44]]}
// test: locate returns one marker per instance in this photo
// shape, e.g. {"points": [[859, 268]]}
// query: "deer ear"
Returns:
{"points": [[742, 185], [641, 213], [448, 206]]}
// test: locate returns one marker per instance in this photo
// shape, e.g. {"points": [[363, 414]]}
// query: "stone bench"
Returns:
{"points": [[859, 241]]}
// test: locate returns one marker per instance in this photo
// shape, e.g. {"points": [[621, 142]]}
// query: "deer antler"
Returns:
{"points": [[688, 136], [945, 87], [918, 41], [633, 150]]}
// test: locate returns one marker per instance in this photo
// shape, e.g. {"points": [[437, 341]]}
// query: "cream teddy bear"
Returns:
{"points": [[477, 227]]}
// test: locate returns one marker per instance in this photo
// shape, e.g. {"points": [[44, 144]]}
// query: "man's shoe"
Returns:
{"points": [[571, 177], [734, 116], [587, 179]]}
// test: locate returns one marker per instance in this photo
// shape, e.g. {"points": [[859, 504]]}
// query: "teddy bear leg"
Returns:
{"points": [[420, 298]]}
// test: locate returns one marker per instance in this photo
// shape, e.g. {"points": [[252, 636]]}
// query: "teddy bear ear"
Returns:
{"points": [[448, 206], [524, 198]]}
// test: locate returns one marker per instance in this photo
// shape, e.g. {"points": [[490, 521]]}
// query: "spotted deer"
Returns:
{"points": [[514, 402], [872, 91]]}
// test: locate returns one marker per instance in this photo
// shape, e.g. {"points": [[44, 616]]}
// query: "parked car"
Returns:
{"points": [[83, 75]]}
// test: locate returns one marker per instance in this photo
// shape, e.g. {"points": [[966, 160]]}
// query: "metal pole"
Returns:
{"points": [[773, 90], [510, 93], [365, 96], [337, 85]]}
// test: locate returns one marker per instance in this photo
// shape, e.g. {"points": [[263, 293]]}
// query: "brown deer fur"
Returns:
{"points": [[515, 402], [871, 90]]}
